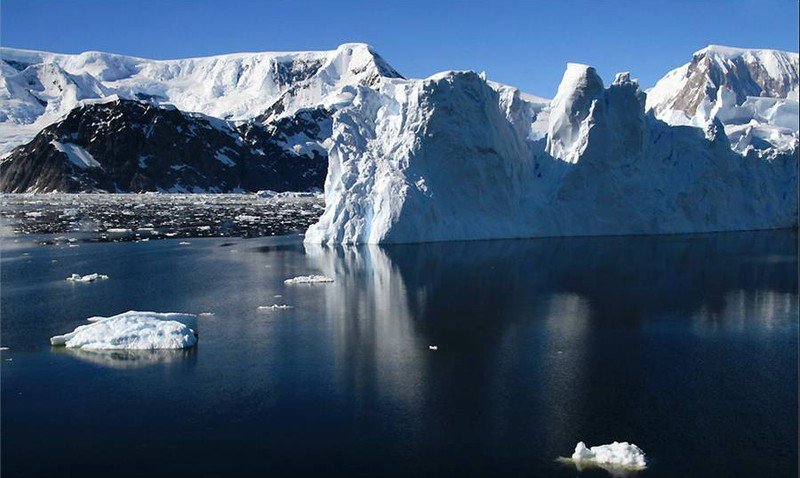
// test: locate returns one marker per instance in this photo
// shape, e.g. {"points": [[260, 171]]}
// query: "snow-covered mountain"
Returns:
{"points": [[276, 105], [449, 158], [754, 93], [39, 88]]}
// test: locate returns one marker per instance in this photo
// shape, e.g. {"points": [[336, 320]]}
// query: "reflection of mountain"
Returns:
{"points": [[559, 340]]}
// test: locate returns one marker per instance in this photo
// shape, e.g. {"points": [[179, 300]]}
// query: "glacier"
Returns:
{"points": [[452, 157], [39, 88]]}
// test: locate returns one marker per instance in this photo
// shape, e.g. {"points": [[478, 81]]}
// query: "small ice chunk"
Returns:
{"points": [[87, 278], [617, 454], [266, 194], [433, 347], [133, 331], [118, 230], [3, 348], [275, 307], [312, 279], [184, 243]]}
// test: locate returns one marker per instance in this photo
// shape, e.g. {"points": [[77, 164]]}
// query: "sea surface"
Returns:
{"points": [[684, 345]]}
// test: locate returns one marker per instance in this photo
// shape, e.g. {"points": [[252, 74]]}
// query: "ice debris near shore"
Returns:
{"points": [[133, 330], [312, 279], [617, 454], [87, 278]]}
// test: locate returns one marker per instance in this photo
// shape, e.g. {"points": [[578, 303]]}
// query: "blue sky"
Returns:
{"points": [[522, 43]]}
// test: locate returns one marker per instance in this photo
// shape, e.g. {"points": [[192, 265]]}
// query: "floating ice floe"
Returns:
{"points": [[275, 307], [312, 279], [184, 243], [617, 455], [87, 278], [3, 348], [133, 331]]}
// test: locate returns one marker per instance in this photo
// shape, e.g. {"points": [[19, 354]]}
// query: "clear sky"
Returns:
{"points": [[522, 43]]}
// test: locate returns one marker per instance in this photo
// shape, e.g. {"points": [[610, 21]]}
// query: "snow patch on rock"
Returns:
{"points": [[77, 155]]}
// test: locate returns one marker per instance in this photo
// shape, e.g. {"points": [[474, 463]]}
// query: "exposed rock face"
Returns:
{"points": [[132, 146]]}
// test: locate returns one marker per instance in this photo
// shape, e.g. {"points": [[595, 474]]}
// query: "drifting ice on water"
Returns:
{"points": [[87, 278], [312, 279], [133, 331], [622, 455]]}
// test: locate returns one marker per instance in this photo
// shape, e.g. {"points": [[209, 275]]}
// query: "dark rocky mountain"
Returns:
{"points": [[134, 146]]}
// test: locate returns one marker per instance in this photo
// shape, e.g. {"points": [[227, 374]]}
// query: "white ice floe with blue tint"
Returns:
{"points": [[133, 331]]}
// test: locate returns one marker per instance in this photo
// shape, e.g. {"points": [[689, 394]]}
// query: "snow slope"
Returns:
{"points": [[754, 93], [38, 88], [451, 158]]}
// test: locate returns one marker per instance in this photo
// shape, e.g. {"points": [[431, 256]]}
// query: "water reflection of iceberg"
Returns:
{"points": [[535, 334], [131, 359]]}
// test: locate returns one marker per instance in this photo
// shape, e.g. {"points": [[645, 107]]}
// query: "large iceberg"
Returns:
{"points": [[455, 157], [133, 331]]}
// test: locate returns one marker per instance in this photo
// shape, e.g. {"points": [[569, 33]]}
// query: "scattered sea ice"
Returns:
{"points": [[616, 455], [87, 278], [275, 307], [312, 279]]}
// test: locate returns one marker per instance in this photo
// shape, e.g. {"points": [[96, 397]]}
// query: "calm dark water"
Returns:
{"points": [[684, 345]]}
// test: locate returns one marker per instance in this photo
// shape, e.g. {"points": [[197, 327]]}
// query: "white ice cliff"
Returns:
{"points": [[447, 158]]}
